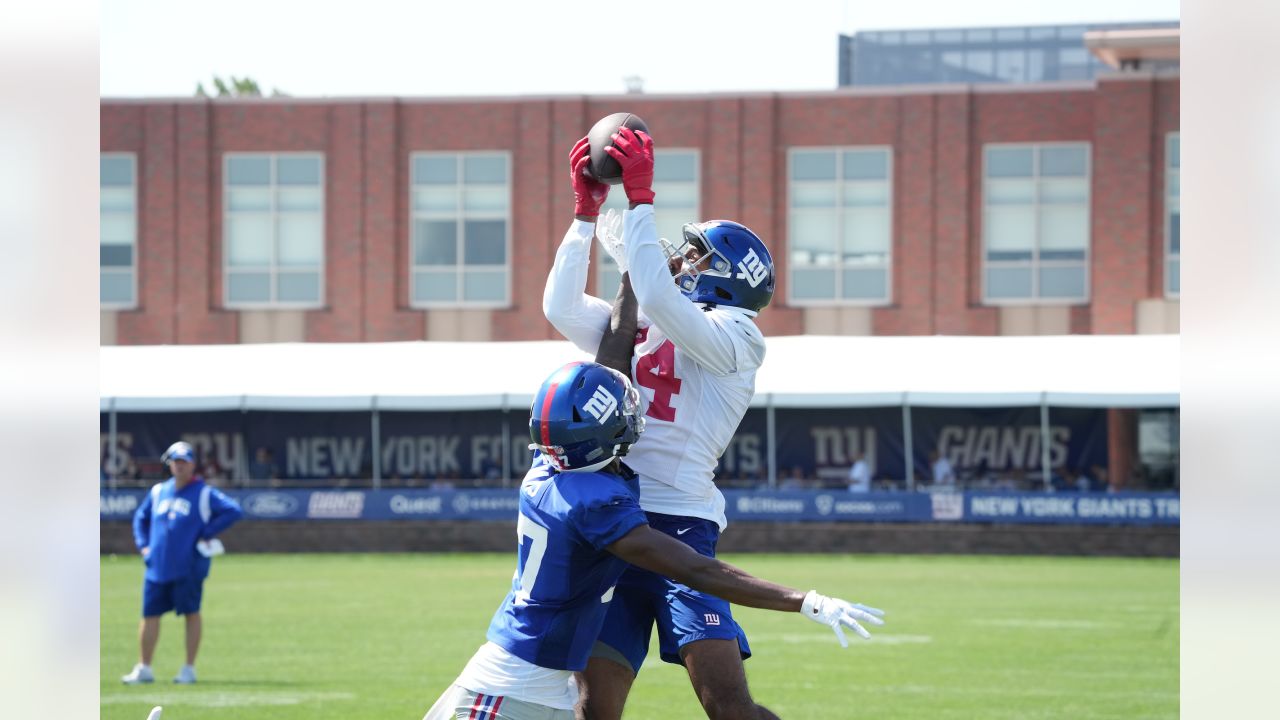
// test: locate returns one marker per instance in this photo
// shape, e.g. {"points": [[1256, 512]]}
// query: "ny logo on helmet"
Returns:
{"points": [[601, 405], [752, 269]]}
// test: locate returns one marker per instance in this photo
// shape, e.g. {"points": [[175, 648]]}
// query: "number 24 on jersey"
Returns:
{"points": [[657, 371]]}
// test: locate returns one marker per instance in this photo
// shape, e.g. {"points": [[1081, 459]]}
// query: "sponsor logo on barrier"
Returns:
{"points": [[461, 504], [111, 505], [947, 505], [464, 504], [770, 506], [829, 505], [270, 505], [825, 504], [335, 505], [401, 505]]}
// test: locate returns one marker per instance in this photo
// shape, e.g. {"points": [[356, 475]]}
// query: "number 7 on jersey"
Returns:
{"points": [[532, 562]]}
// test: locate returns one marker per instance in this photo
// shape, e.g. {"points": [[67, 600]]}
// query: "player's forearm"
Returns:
{"points": [[741, 588], [618, 344], [222, 521], [651, 550], [580, 318]]}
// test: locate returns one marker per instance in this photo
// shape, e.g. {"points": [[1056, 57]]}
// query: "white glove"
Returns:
{"points": [[834, 612], [210, 548], [609, 233]]}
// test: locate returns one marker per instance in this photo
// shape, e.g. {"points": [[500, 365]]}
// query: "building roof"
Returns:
{"points": [[1119, 47], [799, 371]]}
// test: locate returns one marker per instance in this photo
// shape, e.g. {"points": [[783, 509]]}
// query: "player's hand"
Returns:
{"points": [[210, 548], [588, 193], [609, 233], [146, 552], [633, 149], [834, 613]]}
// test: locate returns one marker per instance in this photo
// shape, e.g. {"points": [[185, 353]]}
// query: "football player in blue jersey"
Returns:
{"points": [[580, 525]]}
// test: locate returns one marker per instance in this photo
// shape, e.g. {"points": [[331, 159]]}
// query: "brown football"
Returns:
{"points": [[602, 167]]}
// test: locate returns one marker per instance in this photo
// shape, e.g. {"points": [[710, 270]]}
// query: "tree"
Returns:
{"points": [[237, 87]]}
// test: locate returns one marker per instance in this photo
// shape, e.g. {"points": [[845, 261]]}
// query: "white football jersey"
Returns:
{"points": [[694, 365]]}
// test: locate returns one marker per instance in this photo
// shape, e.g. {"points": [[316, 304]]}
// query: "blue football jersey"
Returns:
{"points": [[564, 577]]}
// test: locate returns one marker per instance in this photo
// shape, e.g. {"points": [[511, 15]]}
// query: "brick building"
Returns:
{"points": [[1001, 209]]}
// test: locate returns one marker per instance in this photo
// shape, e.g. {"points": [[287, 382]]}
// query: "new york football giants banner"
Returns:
{"points": [[813, 444], [320, 445], [982, 442]]}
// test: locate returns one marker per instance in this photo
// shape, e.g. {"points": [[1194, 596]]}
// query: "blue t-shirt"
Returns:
{"points": [[171, 521], [564, 576]]}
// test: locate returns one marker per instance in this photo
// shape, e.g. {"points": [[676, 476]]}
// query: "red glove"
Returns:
{"points": [[634, 152], [588, 194]]}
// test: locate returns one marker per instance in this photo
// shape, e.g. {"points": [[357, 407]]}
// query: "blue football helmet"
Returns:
{"points": [[584, 416], [733, 267]]}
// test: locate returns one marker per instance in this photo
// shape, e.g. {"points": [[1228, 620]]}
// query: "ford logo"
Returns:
{"points": [[271, 505]]}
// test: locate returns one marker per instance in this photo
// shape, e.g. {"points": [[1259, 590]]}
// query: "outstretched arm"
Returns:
{"points": [[662, 302], [581, 318], [647, 548]]}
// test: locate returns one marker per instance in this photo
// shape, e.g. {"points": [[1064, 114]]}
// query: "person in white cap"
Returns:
{"points": [[176, 529]]}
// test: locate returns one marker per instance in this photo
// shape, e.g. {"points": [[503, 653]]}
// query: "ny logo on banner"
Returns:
{"points": [[601, 405], [752, 269]]}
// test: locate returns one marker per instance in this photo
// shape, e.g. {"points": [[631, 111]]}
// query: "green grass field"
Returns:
{"points": [[381, 636]]}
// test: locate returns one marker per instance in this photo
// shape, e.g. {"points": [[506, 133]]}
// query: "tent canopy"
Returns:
{"points": [[799, 371]]}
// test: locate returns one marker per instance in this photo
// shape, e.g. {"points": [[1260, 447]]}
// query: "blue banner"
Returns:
{"points": [[992, 447], [415, 447], [740, 505]]}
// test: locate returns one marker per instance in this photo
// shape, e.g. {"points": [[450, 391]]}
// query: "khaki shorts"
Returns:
{"points": [[459, 703]]}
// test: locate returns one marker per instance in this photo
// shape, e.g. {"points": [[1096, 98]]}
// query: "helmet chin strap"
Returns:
{"points": [[593, 466]]}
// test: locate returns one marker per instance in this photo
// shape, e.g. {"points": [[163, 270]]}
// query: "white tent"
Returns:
{"points": [[801, 371]]}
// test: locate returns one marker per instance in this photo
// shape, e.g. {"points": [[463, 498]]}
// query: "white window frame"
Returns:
{"points": [[1170, 255], [603, 264], [133, 267], [1036, 263], [273, 268], [838, 301], [459, 215]]}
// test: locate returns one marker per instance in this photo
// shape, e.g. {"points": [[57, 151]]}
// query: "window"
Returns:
{"points": [[675, 183], [460, 215], [118, 233], [1035, 224], [273, 230], [1011, 35], [1011, 65], [1073, 64], [979, 62], [840, 225], [1173, 215]]}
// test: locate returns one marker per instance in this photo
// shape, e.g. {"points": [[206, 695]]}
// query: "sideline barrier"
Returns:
{"points": [[1130, 508]]}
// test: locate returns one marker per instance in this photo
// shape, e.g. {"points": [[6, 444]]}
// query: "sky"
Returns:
{"points": [[161, 48]]}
